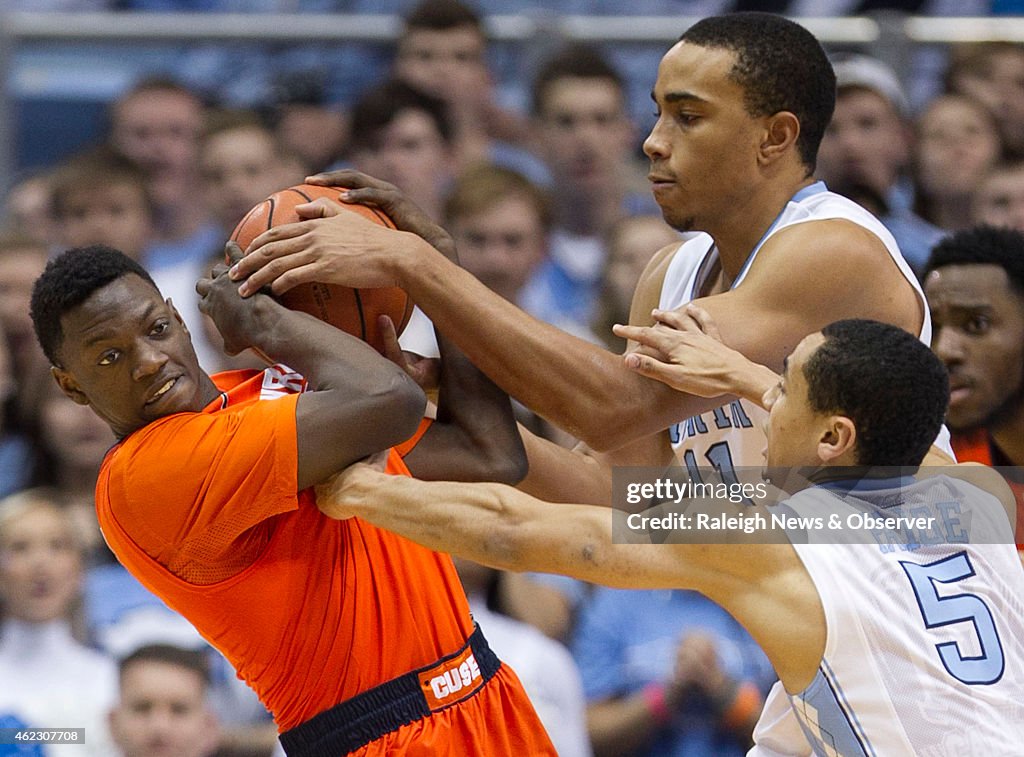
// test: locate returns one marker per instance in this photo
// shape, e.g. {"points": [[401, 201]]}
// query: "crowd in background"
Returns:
{"points": [[549, 206]]}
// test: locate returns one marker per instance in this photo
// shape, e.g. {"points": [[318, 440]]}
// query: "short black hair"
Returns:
{"points": [[441, 15], [190, 659], [68, 281], [577, 60], [983, 245], [781, 67], [381, 105], [888, 382]]}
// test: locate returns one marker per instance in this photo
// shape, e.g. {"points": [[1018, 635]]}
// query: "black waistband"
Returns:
{"points": [[368, 716]]}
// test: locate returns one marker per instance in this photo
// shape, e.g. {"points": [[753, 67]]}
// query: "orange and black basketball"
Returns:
{"points": [[352, 310]]}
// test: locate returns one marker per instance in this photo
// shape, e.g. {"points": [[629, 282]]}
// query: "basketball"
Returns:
{"points": [[352, 310]]}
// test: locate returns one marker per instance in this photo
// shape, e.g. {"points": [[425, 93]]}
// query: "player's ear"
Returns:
{"points": [[780, 134], [68, 385], [177, 315], [838, 438]]}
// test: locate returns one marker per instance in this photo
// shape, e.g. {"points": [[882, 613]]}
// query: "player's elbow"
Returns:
{"points": [[403, 403], [502, 458]]}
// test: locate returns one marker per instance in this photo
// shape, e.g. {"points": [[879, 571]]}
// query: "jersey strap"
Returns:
{"points": [[375, 712]]}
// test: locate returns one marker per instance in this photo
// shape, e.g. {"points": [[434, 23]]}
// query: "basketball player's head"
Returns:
{"points": [[857, 392], [975, 287], [113, 342], [742, 99], [779, 65]]}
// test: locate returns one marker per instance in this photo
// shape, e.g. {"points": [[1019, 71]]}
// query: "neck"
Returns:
{"points": [[737, 233]]}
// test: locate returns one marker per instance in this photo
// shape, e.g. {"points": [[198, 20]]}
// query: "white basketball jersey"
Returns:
{"points": [[924, 650], [731, 435]]}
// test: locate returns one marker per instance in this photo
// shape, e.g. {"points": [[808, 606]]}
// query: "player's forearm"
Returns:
{"points": [[360, 403], [471, 521], [751, 381], [557, 474], [481, 415], [576, 385]]}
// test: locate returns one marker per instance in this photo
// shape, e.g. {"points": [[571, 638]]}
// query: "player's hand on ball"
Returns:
{"points": [[234, 316], [406, 214]]}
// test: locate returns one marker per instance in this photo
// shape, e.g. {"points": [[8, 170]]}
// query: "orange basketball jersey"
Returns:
{"points": [[202, 508]]}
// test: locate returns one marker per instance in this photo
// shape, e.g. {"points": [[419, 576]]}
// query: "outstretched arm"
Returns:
{"points": [[763, 585], [360, 403]]}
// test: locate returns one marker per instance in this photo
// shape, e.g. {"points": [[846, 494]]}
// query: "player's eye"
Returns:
{"points": [[109, 357], [978, 325], [160, 328]]}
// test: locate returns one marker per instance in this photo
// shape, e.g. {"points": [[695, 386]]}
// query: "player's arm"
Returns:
{"points": [[763, 585], [582, 474], [360, 403], [474, 436]]}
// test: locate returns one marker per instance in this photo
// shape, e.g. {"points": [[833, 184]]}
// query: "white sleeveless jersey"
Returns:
{"points": [[731, 435], [924, 651]]}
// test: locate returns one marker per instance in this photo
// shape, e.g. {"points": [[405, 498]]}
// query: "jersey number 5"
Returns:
{"points": [[939, 611]]}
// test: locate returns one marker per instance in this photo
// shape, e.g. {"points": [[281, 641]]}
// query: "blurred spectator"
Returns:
{"points": [[50, 679], [975, 288], [241, 162], [500, 221], [163, 710], [441, 51], [22, 259], [668, 673], [305, 124], [587, 140], [631, 243], [993, 74], [74, 441], [27, 208], [15, 452], [544, 666], [102, 197], [999, 199], [957, 143], [157, 123], [866, 149], [404, 136]]}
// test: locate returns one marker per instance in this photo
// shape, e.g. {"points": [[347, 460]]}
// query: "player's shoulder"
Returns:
{"points": [[647, 294]]}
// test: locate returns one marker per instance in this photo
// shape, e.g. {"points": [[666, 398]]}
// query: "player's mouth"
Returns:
{"points": [[162, 390], [660, 183], [959, 391]]}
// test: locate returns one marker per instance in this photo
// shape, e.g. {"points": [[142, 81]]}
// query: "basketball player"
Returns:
{"points": [[356, 640], [743, 101], [884, 646]]}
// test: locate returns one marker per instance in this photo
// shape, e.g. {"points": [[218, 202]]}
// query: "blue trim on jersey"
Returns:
{"points": [[826, 722], [809, 191], [848, 711]]}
